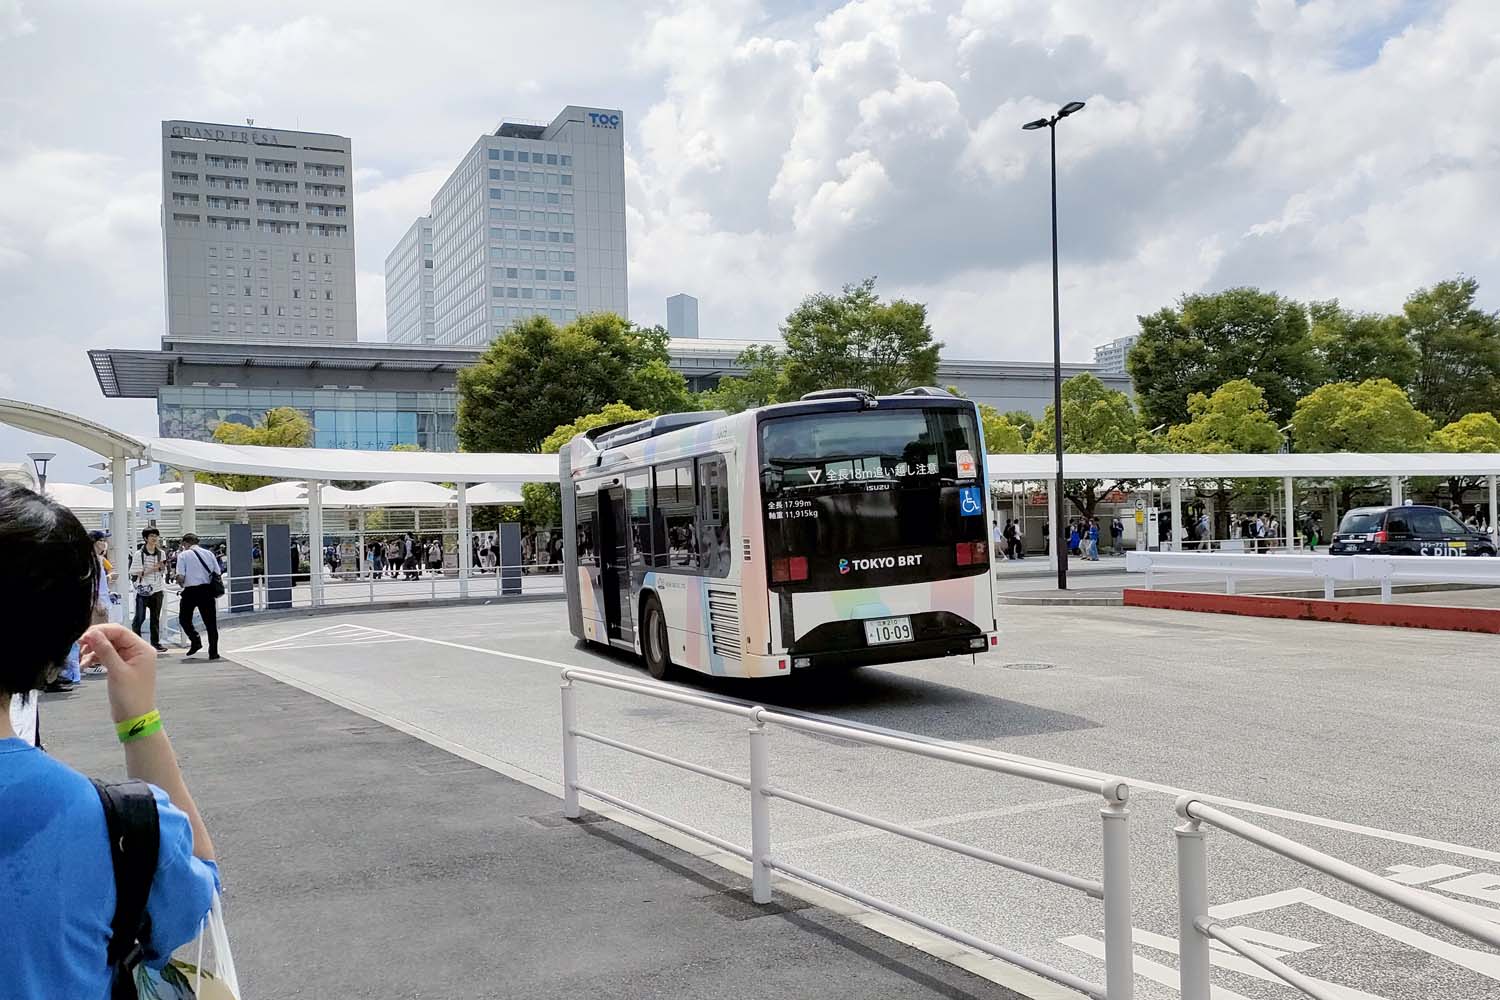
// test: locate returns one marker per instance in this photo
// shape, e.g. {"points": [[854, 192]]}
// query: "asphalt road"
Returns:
{"points": [[1372, 744]]}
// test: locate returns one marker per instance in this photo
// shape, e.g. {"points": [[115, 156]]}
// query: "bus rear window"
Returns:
{"points": [[896, 446]]}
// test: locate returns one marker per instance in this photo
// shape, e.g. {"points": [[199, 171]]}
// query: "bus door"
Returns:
{"points": [[614, 562]]}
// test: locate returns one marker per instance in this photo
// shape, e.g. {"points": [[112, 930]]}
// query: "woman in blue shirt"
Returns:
{"points": [[59, 889]]}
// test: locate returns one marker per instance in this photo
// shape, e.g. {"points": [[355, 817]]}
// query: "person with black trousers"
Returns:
{"points": [[196, 568], [150, 576]]}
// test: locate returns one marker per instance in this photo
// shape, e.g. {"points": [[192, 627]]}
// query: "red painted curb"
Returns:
{"points": [[1313, 609]]}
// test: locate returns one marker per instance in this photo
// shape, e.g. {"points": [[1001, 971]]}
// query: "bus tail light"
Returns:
{"points": [[969, 553], [789, 570]]}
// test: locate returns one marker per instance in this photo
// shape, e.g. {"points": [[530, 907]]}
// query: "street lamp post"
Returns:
{"points": [[1059, 543], [40, 459]]}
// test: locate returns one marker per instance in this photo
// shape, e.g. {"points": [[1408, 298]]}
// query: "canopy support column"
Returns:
{"points": [[315, 540], [1288, 522], [189, 502], [1179, 532], [119, 529], [1494, 521], [463, 539], [1395, 491], [360, 566]]}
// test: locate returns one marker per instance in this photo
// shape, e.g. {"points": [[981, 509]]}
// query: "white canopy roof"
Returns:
{"points": [[97, 438], [287, 496], [79, 498], [1275, 466], [494, 493], [515, 469], [334, 463]]}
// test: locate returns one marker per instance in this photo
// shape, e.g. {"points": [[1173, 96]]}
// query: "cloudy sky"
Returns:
{"points": [[1321, 148]]}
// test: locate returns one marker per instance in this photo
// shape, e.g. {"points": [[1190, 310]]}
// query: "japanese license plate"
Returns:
{"points": [[879, 631]]}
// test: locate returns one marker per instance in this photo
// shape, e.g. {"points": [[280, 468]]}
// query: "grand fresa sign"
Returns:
{"points": [[224, 133]]}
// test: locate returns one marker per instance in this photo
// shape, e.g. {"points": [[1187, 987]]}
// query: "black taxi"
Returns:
{"points": [[1408, 530]]}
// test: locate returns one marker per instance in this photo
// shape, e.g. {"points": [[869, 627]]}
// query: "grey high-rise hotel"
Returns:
{"points": [[531, 222], [257, 233]]}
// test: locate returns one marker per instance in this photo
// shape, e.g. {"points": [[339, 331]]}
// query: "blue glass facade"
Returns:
{"points": [[341, 418]]}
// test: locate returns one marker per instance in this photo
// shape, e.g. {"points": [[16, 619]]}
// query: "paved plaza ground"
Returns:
{"points": [[1375, 744], [362, 862]]}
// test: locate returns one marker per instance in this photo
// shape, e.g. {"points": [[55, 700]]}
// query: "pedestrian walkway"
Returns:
{"points": [[361, 862]]}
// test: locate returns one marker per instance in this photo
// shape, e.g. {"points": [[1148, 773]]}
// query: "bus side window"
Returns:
{"points": [[638, 503], [713, 515], [676, 534], [585, 512]]}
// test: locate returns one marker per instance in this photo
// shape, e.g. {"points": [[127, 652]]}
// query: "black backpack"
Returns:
{"points": [[134, 844]]}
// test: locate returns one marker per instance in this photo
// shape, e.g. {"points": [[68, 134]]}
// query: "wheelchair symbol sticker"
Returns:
{"points": [[970, 501]]}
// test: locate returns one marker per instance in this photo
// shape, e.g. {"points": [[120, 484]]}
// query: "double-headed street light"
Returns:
{"points": [[1059, 542]]}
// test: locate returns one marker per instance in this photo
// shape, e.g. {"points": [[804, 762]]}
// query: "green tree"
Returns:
{"points": [[1458, 347], [761, 384], [856, 341], [1473, 432], [537, 377], [1370, 416], [543, 502], [1023, 420], [1234, 420], [1354, 346], [1207, 340], [282, 427], [1001, 437], [1096, 420]]}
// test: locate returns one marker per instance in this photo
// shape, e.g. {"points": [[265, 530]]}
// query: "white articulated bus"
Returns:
{"points": [[841, 530]]}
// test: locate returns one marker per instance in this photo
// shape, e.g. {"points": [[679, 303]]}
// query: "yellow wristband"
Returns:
{"points": [[138, 727]]}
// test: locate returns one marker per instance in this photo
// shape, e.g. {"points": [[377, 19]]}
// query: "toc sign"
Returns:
{"points": [[600, 120]]}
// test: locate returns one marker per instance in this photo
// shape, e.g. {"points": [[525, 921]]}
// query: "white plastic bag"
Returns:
{"points": [[190, 975], [222, 982]]}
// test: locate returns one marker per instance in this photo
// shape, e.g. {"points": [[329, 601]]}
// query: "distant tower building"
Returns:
{"points": [[1110, 357], [408, 288], [257, 233], [530, 223], [682, 317]]}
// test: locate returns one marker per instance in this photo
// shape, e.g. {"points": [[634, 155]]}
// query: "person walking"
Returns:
{"points": [[196, 568], [106, 576], [149, 573], [1012, 540], [54, 837], [1116, 534], [1093, 530]]}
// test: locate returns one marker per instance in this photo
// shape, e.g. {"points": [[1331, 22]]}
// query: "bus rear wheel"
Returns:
{"points": [[654, 641]]}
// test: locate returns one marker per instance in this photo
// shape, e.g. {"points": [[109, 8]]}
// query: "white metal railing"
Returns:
{"points": [[357, 589], [1331, 570], [1113, 890], [1196, 928]]}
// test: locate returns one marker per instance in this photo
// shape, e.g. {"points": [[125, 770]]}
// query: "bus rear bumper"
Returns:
{"points": [[927, 649]]}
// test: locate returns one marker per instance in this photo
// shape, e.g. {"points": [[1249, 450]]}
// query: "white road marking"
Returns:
{"points": [[289, 638], [1135, 783], [1154, 971]]}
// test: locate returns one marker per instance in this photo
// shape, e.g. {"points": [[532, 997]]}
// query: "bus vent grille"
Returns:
{"points": [[724, 622], [747, 550]]}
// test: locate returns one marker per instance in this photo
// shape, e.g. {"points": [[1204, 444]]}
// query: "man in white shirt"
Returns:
{"points": [[148, 571], [196, 568]]}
